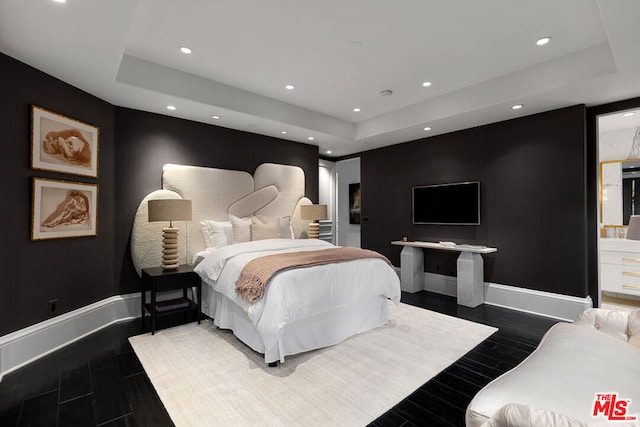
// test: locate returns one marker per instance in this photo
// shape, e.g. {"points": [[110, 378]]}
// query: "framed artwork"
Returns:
{"points": [[354, 203], [61, 144], [63, 209]]}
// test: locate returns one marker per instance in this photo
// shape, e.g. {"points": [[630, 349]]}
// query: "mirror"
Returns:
{"points": [[619, 191]]}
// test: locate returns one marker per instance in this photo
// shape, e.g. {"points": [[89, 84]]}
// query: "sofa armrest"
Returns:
{"points": [[622, 325]]}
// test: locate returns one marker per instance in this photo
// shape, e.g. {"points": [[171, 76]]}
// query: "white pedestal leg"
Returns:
{"points": [[470, 279], [411, 269]]}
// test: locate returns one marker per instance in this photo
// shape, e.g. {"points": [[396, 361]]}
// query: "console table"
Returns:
{"points": [[470, 269]]}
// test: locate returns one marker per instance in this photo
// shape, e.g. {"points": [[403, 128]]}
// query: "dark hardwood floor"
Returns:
{"points": [[98, 381]]}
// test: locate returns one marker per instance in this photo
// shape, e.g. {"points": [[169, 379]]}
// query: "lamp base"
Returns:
{"points": [[314, 230], [170, 253]]}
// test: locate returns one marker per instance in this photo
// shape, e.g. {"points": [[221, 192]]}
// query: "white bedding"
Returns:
{"points": [[298, 293]]}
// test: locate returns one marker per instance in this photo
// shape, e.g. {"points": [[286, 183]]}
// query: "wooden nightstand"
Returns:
{"points": [[158, 280]]}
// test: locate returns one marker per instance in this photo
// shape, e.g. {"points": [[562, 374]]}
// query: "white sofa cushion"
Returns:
{"points": [[571, 364], [610, 322], [518, 415]]}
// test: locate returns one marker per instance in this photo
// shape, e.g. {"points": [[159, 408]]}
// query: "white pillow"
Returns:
{"points": [[240, 229], [263, 227], [286, 228], [216, 233]]}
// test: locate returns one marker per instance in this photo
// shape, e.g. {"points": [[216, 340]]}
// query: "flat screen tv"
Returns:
{"points": [[451, 204]]}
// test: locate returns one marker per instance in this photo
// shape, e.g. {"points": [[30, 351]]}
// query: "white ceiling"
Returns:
{"points": [[480, 56]]}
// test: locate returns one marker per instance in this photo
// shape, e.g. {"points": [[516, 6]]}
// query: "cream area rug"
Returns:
{"points": [[206, 377]]}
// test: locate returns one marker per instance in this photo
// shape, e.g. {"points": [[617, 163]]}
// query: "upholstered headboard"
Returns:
{"points": [[274, 190]]}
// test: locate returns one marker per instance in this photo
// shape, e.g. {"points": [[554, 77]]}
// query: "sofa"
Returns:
{"points": [[558, 384]]}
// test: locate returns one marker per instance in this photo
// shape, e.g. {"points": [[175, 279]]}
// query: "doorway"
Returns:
{"points": [[618, 152]]}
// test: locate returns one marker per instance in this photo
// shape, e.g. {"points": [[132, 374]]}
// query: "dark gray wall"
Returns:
{"points": [[77, 271], [533, 174], [133, 147]]}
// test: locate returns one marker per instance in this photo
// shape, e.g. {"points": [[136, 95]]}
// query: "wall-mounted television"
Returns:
{"points": [[450, 204]]}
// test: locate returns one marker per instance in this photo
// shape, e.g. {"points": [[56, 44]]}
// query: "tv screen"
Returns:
{"points": [[453, 204]]}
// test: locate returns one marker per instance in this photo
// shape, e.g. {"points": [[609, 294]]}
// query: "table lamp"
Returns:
{"points": [[633, 232], [313, 213], [170, 210]]}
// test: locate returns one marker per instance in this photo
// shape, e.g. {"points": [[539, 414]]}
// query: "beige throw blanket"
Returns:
{"points": [[254, 276]]}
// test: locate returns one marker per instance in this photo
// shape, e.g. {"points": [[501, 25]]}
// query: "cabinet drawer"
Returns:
{"points": [[619, 257], [610, 277], [631, 263], [626, 287], [611, 257], [631, 278]]}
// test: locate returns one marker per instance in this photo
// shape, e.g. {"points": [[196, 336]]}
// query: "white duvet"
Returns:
{"points": [[297, 293]]}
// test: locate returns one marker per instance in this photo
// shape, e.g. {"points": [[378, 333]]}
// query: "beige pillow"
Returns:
{"points": [[240, 229], [263, 227], [286, 228]]}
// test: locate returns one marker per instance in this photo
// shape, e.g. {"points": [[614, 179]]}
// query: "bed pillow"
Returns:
{"points": [[286, 228], [240, 229], [263, 227], [216, 233]]}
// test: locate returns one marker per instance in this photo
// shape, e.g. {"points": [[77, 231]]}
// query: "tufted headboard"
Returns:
{"points": [[274, 190]]}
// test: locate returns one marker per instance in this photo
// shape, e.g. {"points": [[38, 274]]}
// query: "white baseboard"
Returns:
{"points": [[22, 347], [29, 344], [556, 306], [547, 304]]}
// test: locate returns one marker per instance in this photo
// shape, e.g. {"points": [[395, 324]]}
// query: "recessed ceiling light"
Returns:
{"points": [[171, 107], [517, 107], [328, 151], [185, 50], [284, 132], [357, 110], [310, 138], [543, 40], [60, 1], [214, 117], [427, 128], [289, 87], [426, 84], [628, 114]]}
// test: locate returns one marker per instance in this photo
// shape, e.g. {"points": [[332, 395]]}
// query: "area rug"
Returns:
{"points": [[205, 376]]}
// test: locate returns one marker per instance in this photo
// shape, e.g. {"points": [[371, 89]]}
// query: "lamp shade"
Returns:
{"points": [[313, 212], [169, 210], [633, 232]]}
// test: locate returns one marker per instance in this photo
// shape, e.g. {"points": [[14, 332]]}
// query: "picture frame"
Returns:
{"points": [[62, 209], [62, 144], [354, 203]]}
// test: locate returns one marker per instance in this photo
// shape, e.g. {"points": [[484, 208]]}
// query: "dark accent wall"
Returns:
{"points": [[133, 147], [146, 141], [76, 271], [533, 174]]}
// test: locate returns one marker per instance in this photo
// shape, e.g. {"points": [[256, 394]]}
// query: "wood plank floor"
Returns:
{"points": [[98, 381]]}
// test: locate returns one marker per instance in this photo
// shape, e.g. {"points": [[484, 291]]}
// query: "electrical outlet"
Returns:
{"points": [[53, 306]]}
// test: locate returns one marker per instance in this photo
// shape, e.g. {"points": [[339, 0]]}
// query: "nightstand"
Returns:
{"points": [[158, 280]]}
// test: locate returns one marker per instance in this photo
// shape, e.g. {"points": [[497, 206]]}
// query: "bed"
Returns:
{"points": [[303, 308]]}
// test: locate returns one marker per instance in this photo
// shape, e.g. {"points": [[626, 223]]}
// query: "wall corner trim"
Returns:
{"points": [[24, 346]]}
